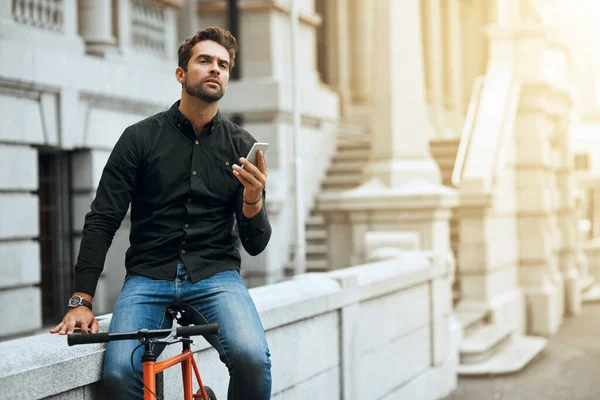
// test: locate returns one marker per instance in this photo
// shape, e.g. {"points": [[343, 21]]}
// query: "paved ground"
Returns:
{"points": [[568, 369]]}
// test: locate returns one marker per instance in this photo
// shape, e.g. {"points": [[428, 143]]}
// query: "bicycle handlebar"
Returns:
{"points": [[181, 331]]}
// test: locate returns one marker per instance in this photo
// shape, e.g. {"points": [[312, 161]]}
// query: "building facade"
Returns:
{"points": [[442, 126]]}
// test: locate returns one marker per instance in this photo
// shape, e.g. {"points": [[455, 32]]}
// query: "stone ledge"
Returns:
{"points": [[42, 358]]}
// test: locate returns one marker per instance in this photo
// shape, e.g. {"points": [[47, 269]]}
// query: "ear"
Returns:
{"points": [[180, 75]]}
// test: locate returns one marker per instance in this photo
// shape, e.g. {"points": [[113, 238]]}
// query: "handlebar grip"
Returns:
{"points": [[195, 330], [82, 338]]}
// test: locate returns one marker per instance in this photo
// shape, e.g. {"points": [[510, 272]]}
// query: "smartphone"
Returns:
{"points": [[253, 153]]}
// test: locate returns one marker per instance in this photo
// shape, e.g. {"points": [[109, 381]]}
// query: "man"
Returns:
{"points": [[178, 171]]}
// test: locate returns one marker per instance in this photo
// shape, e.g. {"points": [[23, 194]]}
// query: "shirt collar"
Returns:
{"points": [[184, 125]]}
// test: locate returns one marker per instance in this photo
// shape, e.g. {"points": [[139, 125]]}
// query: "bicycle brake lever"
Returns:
{"points": [[168, 339]]}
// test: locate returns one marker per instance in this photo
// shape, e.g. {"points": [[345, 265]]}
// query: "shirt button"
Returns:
{"points": [[189, 200], [197, 142], [182, 251], [194, 172], [212, 129], [183, 242], [227, 163], [187, 225], [179, 125]]}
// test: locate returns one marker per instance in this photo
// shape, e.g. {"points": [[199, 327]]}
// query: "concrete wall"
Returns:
{"points": [[375, 331]]}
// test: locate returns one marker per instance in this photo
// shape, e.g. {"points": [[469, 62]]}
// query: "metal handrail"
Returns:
{"points": [[465, 137]]}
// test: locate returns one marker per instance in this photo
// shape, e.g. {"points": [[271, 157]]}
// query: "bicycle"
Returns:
{"points": [[149, 339]]}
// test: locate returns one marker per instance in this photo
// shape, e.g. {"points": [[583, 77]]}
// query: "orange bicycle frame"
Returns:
{"points": [[186, 358]]}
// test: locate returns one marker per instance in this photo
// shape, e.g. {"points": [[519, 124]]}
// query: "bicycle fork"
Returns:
{"points": [[188, 364]]}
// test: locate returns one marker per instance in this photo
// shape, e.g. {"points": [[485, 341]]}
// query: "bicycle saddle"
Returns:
{"points": [[178, 314]]}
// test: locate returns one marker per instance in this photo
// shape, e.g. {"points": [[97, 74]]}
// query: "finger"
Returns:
{"points": [[84, 327], [260, 163], [56, 328], [71, 323], [63, 330], [95, 326], [251, 178], [248, 166], [240, 178]]}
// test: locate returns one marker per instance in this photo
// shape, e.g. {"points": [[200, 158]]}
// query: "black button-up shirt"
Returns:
{"points": [[184, 201]]}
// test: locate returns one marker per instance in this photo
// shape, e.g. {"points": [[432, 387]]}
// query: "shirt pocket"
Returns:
{"points": [[222, 185]]}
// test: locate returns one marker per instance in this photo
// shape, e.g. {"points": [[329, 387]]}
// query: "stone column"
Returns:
{"points": [[573, 261], [188, 21], [537, 222], [361, 51], [337, 57], [123, 10], [454, 73], [401, 125], [95, 25], [69, 8], [435, 61]]}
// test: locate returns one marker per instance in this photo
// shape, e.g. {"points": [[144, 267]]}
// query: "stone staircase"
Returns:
{"points": [[443, 151], [490, 349], [486, 348], [345, 172], [590, 289]]}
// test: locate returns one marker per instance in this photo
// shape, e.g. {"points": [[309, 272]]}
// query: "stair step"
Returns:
{"points": [[483, 342], [317, 265], [316, 249], [316, 234], [592, 295], [513, 357], [344, 167], [471, 320], [346, 179], [586, 282], [355, 154], [315, 220], [445, 163], [444, 146], [345, 144]]}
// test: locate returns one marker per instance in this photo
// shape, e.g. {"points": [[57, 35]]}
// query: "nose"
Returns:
{"points": [[214, 68]]}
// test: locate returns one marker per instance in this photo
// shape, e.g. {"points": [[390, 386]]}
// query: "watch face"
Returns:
{"points": [[75, 300]]}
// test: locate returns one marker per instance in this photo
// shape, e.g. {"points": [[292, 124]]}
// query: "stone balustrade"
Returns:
{"points": [[380, 330]]}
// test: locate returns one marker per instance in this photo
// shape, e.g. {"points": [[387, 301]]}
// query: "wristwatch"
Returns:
{"points": [[77, 301]]}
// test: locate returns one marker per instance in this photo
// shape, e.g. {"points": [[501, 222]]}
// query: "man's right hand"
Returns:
{"points": [[81, 317]]}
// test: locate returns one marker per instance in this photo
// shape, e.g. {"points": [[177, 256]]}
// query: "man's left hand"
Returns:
{"points": [[253, 177]]}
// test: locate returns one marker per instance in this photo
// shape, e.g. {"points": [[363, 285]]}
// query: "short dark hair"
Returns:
{"points": [[214, 33]]}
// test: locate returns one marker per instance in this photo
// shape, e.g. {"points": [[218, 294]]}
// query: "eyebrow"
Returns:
{"points": [[206, 55]]}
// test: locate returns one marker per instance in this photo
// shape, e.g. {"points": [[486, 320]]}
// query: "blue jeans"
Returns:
{"points": [[222, 298]]}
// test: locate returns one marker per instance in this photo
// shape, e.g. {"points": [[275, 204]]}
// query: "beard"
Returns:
{"points": [[199, 90]]}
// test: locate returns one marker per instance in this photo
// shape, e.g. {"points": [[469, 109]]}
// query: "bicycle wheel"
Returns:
{"points": [[209, 392]]}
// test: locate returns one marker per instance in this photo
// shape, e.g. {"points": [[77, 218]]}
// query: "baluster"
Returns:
{"points": [[17, 10]]}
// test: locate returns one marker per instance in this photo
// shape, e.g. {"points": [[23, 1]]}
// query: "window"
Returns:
{"points": [[55, 233], [582, 162]]}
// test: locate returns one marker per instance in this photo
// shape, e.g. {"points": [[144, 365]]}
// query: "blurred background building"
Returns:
{"points": [[468, 128]]}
